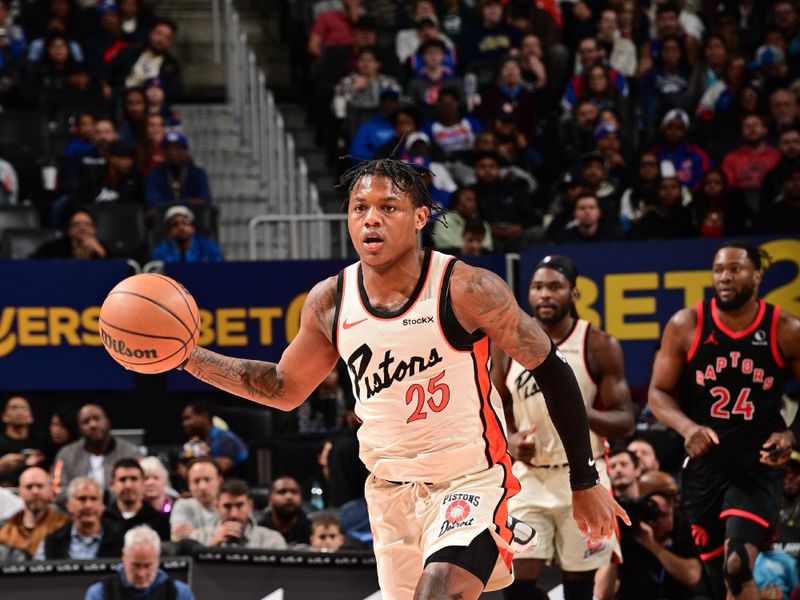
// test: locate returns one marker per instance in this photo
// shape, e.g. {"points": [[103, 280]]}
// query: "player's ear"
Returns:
{"points": [[575, 294], [757, 277], [421, 216]]}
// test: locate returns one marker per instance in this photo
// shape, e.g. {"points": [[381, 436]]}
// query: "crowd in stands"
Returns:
{"points": [[78, 488], [86, 96], [574, 121]]}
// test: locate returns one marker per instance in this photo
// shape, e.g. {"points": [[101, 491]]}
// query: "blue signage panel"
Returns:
{"points": [[48, 325], [49, 309], [631, 289]]}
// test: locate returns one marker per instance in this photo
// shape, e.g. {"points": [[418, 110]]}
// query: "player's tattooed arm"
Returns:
{"points": [[304, 364], [482, 300]]}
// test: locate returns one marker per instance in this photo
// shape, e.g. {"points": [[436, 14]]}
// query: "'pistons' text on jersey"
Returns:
{"points": [[421, 382], [734, 380]]}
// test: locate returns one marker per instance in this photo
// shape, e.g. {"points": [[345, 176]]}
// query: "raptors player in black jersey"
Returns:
{"points": [[718, 380]]}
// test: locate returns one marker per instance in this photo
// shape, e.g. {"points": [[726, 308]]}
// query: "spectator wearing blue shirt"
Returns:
{"points": [[178, 179], [227, 448], [139, 575], [183, 244], [374, 133]]}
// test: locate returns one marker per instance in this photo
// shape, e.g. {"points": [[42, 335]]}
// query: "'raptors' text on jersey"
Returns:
{"points": [[421, 382], [530, 407], [734, 380]]}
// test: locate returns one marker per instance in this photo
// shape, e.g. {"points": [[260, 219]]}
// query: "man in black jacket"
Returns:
{"points": [[138, 63], [86, 536], [129, 508]]}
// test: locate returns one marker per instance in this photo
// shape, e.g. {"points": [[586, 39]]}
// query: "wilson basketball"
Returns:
{"points": [[149, 323]]}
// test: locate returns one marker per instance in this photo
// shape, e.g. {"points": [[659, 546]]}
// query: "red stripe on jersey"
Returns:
{"points": [[511, 488], [773, 338], [496, 443], [698, 331], [712, 553], [744, 514], [736, 335]]}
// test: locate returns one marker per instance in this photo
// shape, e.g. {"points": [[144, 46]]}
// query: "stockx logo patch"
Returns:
{"points": [[417, 321]]}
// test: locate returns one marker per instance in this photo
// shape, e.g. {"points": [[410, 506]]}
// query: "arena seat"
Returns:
{"points": [[121, 227], [18, 217], [22, 135], [21, 242]]}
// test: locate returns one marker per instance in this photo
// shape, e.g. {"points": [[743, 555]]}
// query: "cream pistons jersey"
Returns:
{"points": [[421, 382], [529, 405]]}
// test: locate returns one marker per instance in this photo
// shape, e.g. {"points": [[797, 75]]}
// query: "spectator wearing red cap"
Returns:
{"points": [[177, 179]]}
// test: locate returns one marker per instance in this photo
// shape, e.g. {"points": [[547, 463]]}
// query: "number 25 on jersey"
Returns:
{"points": [[418, 396]]}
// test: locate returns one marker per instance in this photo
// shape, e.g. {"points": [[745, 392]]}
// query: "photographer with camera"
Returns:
{"points": [[660, 560]]}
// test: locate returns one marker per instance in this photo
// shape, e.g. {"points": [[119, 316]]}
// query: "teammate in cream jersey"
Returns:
{"points": [[406, 367], [541, 463], [530, 412]]}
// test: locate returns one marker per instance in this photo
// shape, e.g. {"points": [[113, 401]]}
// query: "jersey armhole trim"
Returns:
{"points": [[337, 310], [698, 330], [458, 338], [773, 338]]}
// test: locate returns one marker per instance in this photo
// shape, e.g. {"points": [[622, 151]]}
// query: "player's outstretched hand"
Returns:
{"points": [[777, 449], [698, 439], [595, 511]]}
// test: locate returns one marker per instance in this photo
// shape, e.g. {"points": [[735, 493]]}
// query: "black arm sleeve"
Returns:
{"points": [[568, 413]]}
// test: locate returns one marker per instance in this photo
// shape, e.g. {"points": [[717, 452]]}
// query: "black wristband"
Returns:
{"points": [[564, 401]]}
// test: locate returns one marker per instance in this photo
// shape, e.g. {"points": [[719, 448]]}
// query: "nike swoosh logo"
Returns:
{"points": [[347, 325], [591, 462]]}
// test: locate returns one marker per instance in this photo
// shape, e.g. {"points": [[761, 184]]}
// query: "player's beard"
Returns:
{"points": [[737, 301], [556, 316]]}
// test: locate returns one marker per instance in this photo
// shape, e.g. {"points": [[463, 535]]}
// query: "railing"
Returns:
{"points": [[309, 236], [284, 176]]}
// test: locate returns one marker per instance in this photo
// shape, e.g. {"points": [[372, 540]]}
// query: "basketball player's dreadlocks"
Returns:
{"points": [[405, 177]]}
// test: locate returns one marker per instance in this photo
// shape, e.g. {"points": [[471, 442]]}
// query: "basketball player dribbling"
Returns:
{"points": [[413, 328], [718, 380], [540, 463]]}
